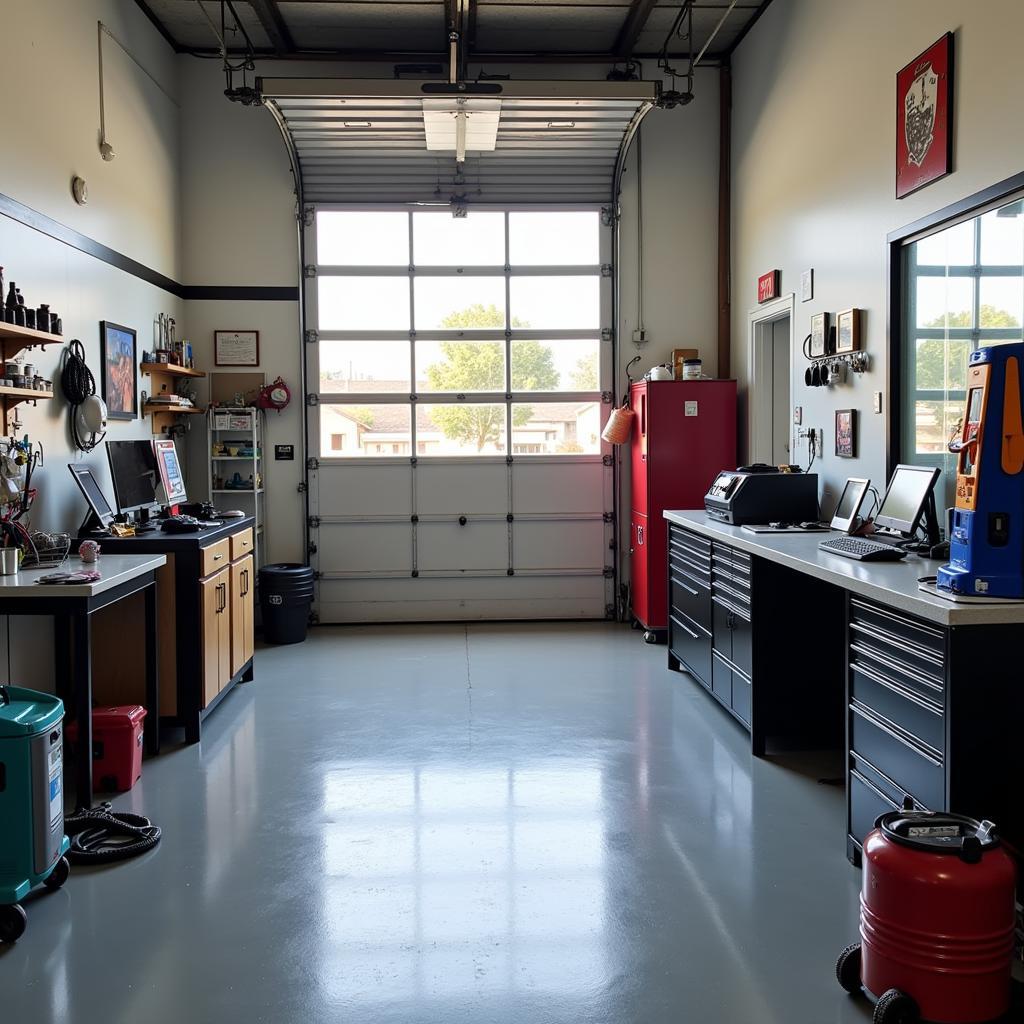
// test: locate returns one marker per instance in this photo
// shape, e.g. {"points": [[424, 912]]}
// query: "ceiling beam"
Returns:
{"points": [[751, 22], [636, 19], [274, 25], [158, 24]]}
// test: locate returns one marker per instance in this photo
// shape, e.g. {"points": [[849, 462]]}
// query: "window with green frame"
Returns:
{"points": [[964, 289]]}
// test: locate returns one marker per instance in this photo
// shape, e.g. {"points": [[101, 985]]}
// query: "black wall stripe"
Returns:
{"points": [[30, 218]]}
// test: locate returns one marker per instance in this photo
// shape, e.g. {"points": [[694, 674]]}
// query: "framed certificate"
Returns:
{"points": [[236, 348]]}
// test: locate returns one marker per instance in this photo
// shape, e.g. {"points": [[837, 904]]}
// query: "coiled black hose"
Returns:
{"points": [[78, 383], [99, 835]]}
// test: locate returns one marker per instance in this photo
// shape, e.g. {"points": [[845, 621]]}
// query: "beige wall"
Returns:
{"points": [[813, 141]]}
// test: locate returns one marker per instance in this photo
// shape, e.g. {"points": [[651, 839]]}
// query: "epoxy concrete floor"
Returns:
{"points": [[526, 823]]}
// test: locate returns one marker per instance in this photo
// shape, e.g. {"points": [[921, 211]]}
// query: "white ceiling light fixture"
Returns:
{"points": [[461, 124]]}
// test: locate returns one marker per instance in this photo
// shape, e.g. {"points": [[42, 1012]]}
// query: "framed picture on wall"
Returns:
{"points": [[848, 331], [924, 118], [120, 370], [236, 348], [819, 335], [846, 433]]}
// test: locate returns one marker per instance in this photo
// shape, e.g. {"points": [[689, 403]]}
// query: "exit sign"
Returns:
{"points": [[768, 286]]}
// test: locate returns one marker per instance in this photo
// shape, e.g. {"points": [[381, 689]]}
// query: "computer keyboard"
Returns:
{"points": [[862, 549]]}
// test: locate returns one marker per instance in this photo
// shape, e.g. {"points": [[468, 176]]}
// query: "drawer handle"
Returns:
{"points": [[895, 641], [877, 722], [867, 783], [702, 585], [918, 627], [684, 627], [867, 652], [217, 558], [676, 580], [889, 684], [744, 615], [738, 580], [733, 593], [696, 566]]}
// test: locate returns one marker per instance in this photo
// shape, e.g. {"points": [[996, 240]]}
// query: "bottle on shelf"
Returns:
{"points": [[12, 304]]}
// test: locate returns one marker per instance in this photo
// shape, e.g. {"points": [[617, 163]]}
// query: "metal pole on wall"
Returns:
{"points": [[724, 217]]}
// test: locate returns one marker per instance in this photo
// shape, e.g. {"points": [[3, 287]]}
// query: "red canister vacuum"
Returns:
{"points": [[936, 921]]}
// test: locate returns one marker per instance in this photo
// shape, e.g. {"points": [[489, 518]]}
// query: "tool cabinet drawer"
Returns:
{"points": [[690, 597], [866, 805], [691, 645], [741, 696], [215, 557], [917, 771], [898, 705], [689, 560], [721, 679], [896, 795], [918, 646], [696, 546], [879, 660]]}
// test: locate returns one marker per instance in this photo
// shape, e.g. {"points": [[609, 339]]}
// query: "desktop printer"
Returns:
{"points": [[762, 494]]}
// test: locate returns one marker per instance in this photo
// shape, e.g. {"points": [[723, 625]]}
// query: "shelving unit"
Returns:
{"points": [[162, 377], [241, 435], [13, 340]]}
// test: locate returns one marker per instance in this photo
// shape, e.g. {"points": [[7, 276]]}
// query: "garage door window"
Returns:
{"points": [[473, 336]]}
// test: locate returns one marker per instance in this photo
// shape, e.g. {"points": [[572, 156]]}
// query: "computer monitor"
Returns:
{"points": [[909, 497], [102, 513], [846, 516], [133, 470], [170, 471]]}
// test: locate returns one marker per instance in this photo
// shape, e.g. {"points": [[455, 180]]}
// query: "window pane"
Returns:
{"points": [[556, 428], [554, 239], [460, 429], [952, 247], [556, 303], [570, 365], [363, 303], [441, 240], [1002, 236], [942, 364], [1001, 302], [935, 423], [458, 303], [353, 238], [460, 366], [366, 366], [945, 302], [348, 431]]}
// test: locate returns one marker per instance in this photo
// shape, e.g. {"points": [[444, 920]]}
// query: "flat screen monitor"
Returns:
{"points": [[170, 472], [93, 493], [906, 498], [133, 470], [847, 511]]}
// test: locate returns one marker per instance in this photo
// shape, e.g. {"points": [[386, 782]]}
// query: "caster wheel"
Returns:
{"points": [[895, 1007], [848, 968], [12, 922], [650, 637], [59, 875]]}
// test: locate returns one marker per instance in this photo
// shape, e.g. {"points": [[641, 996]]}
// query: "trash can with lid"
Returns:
{"points": [[286, 596], [32, 840]]}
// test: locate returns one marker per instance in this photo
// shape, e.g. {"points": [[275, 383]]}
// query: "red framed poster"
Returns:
{"points": [[924, 118]]}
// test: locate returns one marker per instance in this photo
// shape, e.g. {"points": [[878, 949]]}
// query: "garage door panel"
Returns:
{"points": [[450, 546], [370, 490], [566, 487], [367, 547], [452, 489], [575, 544]]}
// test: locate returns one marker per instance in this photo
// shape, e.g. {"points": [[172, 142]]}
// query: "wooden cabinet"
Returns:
{"points": [[241, 613], [216, 631]]}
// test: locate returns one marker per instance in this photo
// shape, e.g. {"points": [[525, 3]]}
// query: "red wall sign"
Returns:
{"points": [[924, 115], [768, 286]]}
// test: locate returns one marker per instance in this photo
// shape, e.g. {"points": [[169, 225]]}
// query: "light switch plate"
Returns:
{"points": [[878, 401], [798, 414], [689, 408], [807, 285]]}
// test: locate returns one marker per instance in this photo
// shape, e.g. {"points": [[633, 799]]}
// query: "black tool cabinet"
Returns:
{"points": [[934, 715], [746, 658]]}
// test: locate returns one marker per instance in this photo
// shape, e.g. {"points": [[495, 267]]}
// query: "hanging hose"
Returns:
{"points": [[100, 835], [78, 384]]}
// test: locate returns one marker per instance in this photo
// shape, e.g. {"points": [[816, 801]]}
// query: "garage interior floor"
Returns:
{"points": [[485, 823]]}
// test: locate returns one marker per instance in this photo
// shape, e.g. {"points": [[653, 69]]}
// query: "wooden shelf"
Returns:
{"points": [[10, 397], [14, 339], [159, 407], [236, 490], [170, 369]]}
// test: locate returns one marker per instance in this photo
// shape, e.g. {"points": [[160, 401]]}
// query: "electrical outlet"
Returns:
{"points": [[639, 336], [878, 401], [798, 414]]}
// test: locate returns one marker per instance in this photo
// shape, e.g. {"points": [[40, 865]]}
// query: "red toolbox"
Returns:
{"points": [[116, 746]]}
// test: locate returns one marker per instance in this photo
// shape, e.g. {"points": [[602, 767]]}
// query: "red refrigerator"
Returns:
{"points": [[684, 433]]}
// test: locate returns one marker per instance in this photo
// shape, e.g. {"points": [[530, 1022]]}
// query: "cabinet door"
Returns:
{"points": [[241, 613], [224, 632], [213, 596], [640, 569]]}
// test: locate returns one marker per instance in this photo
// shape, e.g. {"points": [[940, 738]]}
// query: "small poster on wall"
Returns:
{"points": [[924, 118], [846, 433], [236, 348]]}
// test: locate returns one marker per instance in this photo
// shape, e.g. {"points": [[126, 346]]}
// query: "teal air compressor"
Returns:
{"points": [[32, 840]]}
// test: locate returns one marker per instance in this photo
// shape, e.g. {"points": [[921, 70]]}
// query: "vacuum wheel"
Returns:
{"points": [[848, 968], [12, 922], [59, 875], [895, 1007]]}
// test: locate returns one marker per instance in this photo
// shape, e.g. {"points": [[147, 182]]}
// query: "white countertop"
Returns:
{"points": [[891, 583], [115, 569]]}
